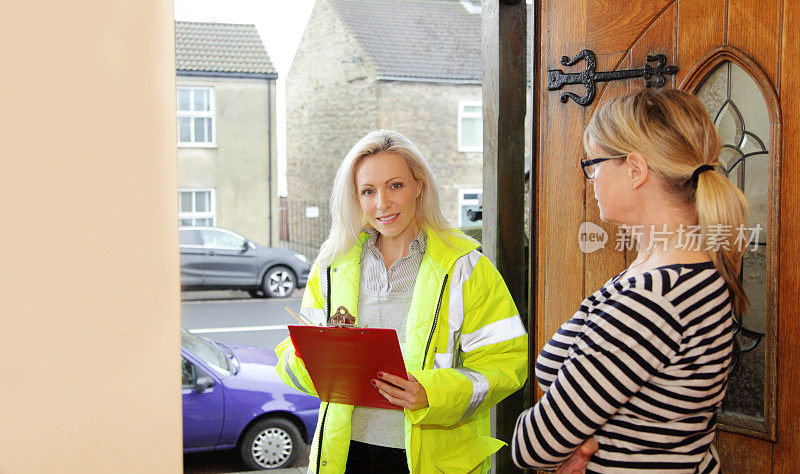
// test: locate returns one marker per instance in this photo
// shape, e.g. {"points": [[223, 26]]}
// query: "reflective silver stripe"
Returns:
{"points": [[455, 315], [288, 369], [442, 360], [498, 331], [480, 387], [315, 315]]}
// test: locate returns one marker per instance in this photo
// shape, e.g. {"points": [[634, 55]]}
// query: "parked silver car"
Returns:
{"points": [[213, 258]]}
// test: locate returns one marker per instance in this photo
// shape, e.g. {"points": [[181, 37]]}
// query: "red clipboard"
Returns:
{"points": [[343, 361]]}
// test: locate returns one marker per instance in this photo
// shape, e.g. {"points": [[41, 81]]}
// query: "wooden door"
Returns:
{"points": [[738, 55]]}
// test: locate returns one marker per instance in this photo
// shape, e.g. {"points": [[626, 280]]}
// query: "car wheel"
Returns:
{"points": [[279, 282], [271, 443]]}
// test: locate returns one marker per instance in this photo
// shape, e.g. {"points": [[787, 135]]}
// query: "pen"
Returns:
{"points": [[302, 320]]}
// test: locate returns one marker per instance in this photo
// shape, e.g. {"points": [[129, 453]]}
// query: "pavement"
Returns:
{"points": [[209, 295]]}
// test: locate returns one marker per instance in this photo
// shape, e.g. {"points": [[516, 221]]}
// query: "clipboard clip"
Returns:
{"points": [[342, 319]]}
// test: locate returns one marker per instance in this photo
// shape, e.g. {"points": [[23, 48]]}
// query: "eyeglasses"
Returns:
{"points": [[590, 167]]}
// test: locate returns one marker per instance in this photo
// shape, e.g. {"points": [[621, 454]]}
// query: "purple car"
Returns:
{"points": [[234, 399]]}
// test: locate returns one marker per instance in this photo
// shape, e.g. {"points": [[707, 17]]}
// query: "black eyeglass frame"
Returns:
{"points": [[586, 163]]}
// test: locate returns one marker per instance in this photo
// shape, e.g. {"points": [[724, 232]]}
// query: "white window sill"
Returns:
{"points": [[197, 145]]}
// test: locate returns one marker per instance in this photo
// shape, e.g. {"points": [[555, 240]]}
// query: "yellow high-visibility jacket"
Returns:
{"points": [[465, 343]]}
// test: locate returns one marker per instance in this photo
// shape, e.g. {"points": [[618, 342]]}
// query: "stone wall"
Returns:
{"points": [[427, 113], [330, 104]]}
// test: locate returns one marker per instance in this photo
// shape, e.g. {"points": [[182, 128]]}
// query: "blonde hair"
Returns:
{"points": [[673, 132], [347, 220]]}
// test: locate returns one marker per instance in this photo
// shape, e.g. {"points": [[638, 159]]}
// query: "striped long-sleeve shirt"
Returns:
{"points": [[641, 367]]}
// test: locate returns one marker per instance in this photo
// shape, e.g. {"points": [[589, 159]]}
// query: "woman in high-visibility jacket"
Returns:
{"points": [[394, 261]]}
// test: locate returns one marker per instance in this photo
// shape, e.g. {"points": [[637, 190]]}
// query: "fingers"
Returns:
{"points": [[589, 447], [394, 391], [395, 380], [395, 400], [577, 461], [405, 393]]}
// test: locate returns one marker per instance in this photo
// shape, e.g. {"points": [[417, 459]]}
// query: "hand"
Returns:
{"points": [[577, 461], [410, 394]]}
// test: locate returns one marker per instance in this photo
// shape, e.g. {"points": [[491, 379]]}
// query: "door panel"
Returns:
{"points": [[228, 267], [688, 32], [754, 27], [229, 262], [701, 28], [203, 413], [614, 26]]}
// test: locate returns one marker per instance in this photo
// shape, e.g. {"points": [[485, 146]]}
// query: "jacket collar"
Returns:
{"points": [[443, 252]]}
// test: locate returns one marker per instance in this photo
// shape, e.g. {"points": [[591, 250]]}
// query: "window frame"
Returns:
{"points": [[462, 104], [212, 214], [468, 202], [211, 113]]}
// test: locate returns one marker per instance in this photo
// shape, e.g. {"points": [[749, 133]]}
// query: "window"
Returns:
{"points": [[207, 351], [220, 239], [743, 116], [196, 207], [469, 199], [187, 237], [470, 126], [188, 374], [196, 116]]}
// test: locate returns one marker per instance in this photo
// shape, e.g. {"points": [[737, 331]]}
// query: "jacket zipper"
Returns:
{"points": [[321, 437], [328, 297], [433, 327], [325, 413]]}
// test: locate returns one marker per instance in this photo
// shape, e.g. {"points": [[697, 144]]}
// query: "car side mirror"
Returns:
{"points": [[203, 383]]}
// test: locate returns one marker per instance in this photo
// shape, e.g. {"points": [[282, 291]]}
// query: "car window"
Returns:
{"points": [[207, 351], [188, 373], [190, 237], [219, 239]]}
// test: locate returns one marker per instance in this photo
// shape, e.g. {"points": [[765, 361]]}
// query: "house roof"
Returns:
{"points": [[417, 39], [221, 49]]}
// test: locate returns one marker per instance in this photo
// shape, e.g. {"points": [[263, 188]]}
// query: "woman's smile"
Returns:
{"points": [[388, 219]]}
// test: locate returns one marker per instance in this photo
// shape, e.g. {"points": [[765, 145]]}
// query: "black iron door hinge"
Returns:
{"points": [[556, 78]]}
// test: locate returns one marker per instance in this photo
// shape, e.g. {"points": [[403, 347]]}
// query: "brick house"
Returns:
{"points": [[409, 65], [227, 154]]}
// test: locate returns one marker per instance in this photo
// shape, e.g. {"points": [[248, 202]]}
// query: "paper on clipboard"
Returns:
{"points": [[343, 361]]}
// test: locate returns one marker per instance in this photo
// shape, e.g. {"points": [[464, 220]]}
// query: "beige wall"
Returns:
{"points": [[89, 295], [238, 168]]}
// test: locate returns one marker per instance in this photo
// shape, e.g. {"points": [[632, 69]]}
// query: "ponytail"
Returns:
{"points": [[719, 202]]}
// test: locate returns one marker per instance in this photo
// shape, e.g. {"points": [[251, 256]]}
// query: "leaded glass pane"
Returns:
{"points": [[739, 111]]}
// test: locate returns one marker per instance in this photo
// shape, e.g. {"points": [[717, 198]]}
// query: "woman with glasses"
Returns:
{"points": [[633, 380], [395, 262]]}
